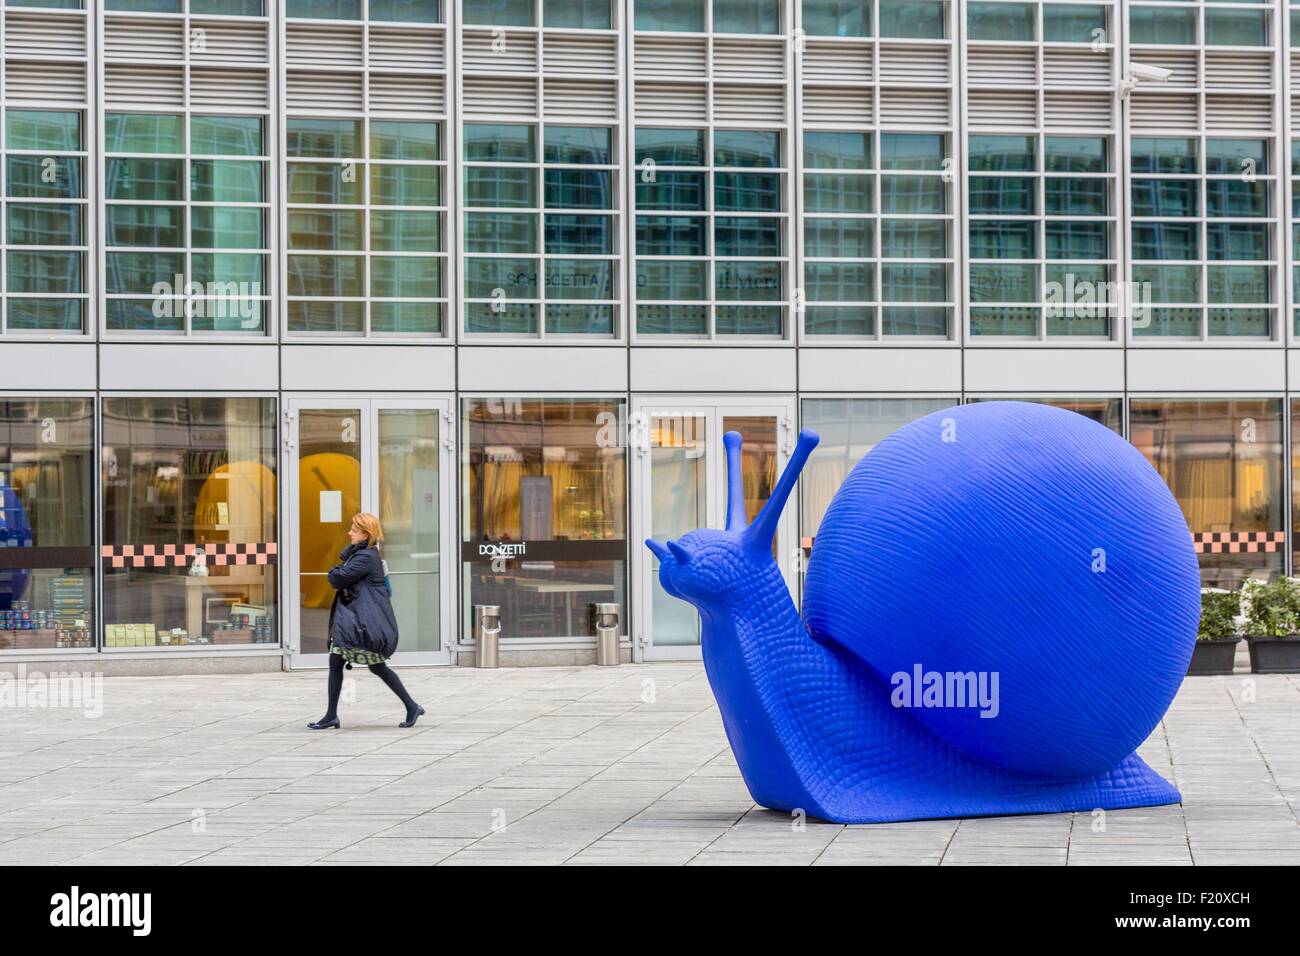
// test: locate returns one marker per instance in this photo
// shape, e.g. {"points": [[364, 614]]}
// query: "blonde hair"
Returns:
{"points": [[365, 521]]}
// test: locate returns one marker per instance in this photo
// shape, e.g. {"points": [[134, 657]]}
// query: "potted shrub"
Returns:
{"points": [[1272, 623], [1216, 636]]}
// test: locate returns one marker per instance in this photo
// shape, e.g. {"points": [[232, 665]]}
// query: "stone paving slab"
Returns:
{"points": [[583, 766]]}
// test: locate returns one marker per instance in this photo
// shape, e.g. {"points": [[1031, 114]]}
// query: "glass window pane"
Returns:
{"points": [[339, 138], [913, 239], [405, 185], [325, 229], [579, 279], [324, 276], [43, 177], [227, 227], [1073, 23], [657, 279], [750, 192], [1235, 27], [143, 133], [393, 139], [1163, 155], [849, 429], [851, 238], [836, 150], [402, 11], [145, 226], [500, 232], [47, 455], [746, 16], [577, 14], [226, 180], [500, 186], [570, 507], [1002, 154], [837, 18], [579, 235], [748, 236], [679, 16], [919, 151], [180, 476], [225, 135], [1001, 21], [42, 129], [324, 9], [503, 279], [330, 184], [1168, 25], [839, 193], [579, 189], [500, 143], [405, 231], [671, 190], [44, 224], [587, 145], [670, 147], [1197, 448], [499, 13], [671, 236], [734, 147], [914, 19]]}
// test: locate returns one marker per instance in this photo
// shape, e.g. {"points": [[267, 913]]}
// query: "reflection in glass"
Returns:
{"points": [[329, 494], [849, 428], [189, 497], [1223, 461], [678, 504], [408, 508], [544, 533], [47, 578]]}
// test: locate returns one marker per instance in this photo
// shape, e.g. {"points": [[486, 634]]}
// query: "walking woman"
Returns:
{"points": [[363, 628]]}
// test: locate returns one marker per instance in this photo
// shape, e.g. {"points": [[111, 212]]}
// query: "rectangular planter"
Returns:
{"points": [[1213, 656], [1274, 655]]}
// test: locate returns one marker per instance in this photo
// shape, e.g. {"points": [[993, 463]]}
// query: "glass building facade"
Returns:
{"points": [[503, 271]]}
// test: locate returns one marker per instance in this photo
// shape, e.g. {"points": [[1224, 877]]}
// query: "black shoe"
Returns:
{"points": [[412, 718], [324, 724]]}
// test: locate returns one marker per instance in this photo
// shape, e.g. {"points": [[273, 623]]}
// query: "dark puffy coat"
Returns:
{"points": [[362, 614]]}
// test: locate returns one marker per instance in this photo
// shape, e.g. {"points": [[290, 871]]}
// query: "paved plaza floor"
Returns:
{"points": [[560, 765]]}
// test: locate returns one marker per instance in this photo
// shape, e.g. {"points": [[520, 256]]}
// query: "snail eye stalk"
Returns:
{"points": [[759, 534], [736, 520]]}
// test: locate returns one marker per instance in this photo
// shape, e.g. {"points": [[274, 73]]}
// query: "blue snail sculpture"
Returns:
{"points": [[1018, 545]]}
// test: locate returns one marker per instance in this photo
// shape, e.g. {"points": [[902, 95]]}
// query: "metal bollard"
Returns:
{"points": [[607, 635], [487, 635]]}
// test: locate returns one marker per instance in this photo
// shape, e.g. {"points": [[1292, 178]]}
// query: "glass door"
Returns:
{"points": [[391, 457], [680, 482]]}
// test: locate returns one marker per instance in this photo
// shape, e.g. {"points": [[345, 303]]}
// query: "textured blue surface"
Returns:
{"points": [[1002, 539]]}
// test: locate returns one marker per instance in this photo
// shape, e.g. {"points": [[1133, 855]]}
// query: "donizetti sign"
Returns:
{"points": [[502, 549]]}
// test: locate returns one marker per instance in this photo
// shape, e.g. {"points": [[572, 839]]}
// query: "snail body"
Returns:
{"points": [[1015, 553]]}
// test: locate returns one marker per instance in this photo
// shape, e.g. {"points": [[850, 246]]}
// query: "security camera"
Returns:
{"points": [[1145, 71], [1140, 73]]}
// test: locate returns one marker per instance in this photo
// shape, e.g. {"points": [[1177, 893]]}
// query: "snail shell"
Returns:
{"points": [[1020, 540]]}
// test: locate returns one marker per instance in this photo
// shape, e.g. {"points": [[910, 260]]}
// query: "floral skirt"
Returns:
{"points": [[357, 655]]}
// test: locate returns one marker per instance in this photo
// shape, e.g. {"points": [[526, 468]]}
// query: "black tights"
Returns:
{"points": [[382, 671]]}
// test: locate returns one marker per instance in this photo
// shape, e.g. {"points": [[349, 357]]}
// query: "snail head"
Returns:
{"points": [[704, 565]]}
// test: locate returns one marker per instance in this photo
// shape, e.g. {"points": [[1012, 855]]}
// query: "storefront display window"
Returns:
{"points": [[848, 428], [1223, 460], [47, 583], [544, 511], [189, 548], [1103, 411]]}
